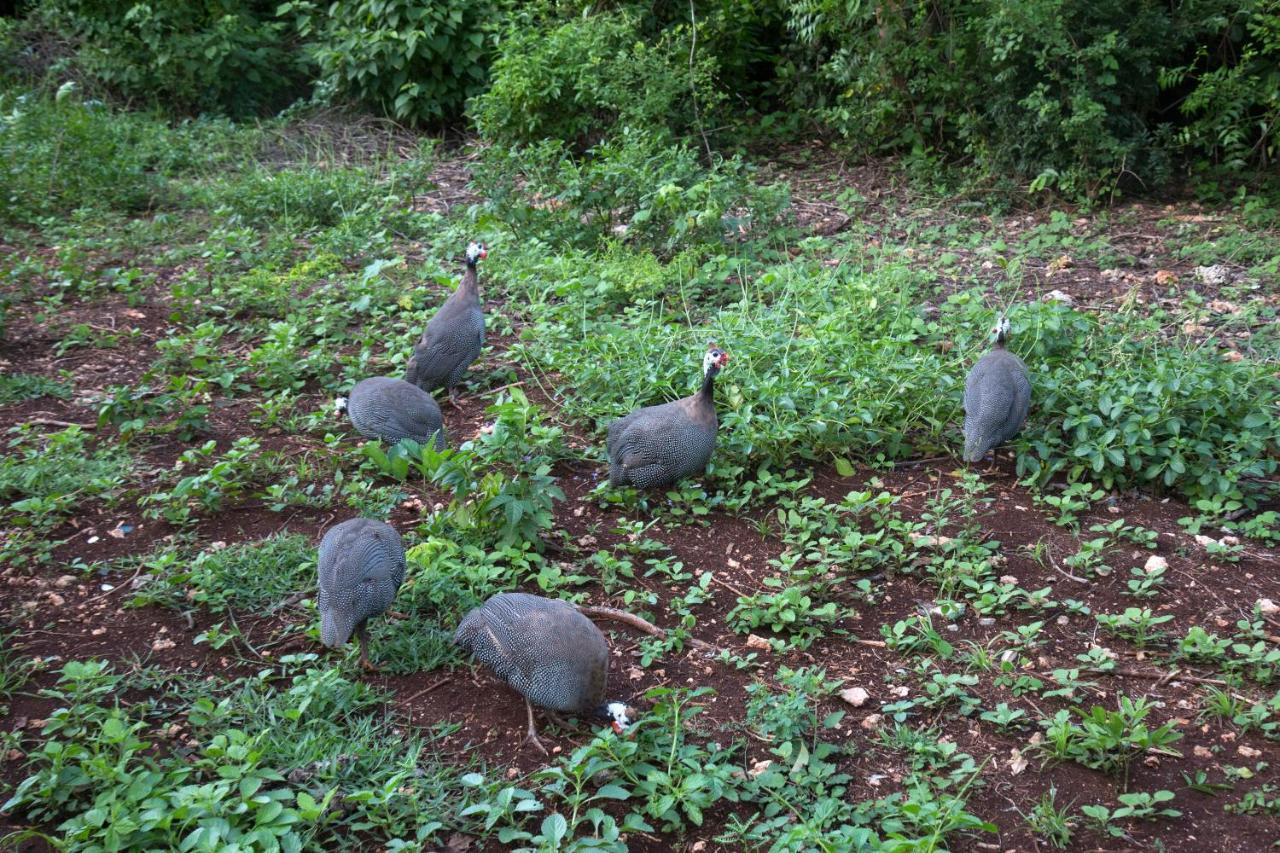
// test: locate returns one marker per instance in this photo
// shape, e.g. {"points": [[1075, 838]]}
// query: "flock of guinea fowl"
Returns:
{"points": [[548, 650]]}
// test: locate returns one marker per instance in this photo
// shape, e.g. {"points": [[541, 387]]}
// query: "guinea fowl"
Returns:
{"points": [[997, 397], [361, 568], [549, 652], [393, 410], [453, 337], [658, 446]]}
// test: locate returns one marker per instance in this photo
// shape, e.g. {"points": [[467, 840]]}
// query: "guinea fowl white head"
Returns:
{"points": [[715, 357]]}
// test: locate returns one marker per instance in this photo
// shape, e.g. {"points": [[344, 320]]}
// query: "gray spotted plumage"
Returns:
{"points": [[393, 410], [361, 567], [453, 337], [997, 397], [659, 446], [544, 648]]}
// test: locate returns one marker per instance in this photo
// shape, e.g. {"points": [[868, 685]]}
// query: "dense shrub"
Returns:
{"points": [[1067, 94], [57, 156], [574, 81], [633, 186], [231, 56], [417, 62]]}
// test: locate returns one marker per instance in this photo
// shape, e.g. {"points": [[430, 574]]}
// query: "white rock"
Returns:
{"points": [[1058, 296], [1214, 276], [871, 721], [1155, 564], [755, 641], [855, 696], [1267, 606]]}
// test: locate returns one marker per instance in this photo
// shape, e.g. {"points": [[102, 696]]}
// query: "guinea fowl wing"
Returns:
{"points": [[648, 432]]}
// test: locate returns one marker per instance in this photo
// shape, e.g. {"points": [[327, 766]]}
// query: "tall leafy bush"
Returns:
{"points": [[229, 56], [417, 62]]}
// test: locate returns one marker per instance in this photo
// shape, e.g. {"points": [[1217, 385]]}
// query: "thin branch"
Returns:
{"points": [[640, 624], [693, 83]]}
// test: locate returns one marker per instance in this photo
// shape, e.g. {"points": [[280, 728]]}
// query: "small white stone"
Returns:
{"points": [[855, 696], [1155, 564], [1267, 606]]}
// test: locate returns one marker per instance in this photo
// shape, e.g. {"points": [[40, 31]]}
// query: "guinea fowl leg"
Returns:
{"points": [[454, 398], [362, 632], [532, 735]]}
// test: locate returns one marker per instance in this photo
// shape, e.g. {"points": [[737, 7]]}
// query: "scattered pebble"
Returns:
{"points": [[1058, 296], [1267, 606], [162, 644], [1248, 751], [1202, 752], [871, 721], [755, 641], [855, 696], [1155, 564]]}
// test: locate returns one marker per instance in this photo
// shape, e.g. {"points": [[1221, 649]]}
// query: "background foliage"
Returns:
{"points": [[1088, 99]]}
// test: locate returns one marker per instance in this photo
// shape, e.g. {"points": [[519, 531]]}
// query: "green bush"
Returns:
{"points": [[189, 56], [634, 186], [574, 81], [417, 62], [56, 157], [1234, 105], [1067, 94]]}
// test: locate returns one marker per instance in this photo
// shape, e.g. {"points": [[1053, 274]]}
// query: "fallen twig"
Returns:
{"points": [[424, 691], [58, 423], [638, 623]]}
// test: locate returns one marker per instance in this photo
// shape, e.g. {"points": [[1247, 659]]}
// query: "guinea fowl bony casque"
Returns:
{"points": [[453, 337], [393, 410], [361, 567], [549, 652], [997, 397], [658, 446]]}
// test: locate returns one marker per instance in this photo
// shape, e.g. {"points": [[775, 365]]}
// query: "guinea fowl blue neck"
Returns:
{"points": [[708, 390]]}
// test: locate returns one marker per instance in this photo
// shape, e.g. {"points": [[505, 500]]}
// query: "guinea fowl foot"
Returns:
{"points": [[396, 614], [455, 399], [367, 665], [531, 736]]}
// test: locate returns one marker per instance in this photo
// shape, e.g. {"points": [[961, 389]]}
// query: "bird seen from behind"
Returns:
{"points": [[393, 410], [361, 567], [997, 397]]}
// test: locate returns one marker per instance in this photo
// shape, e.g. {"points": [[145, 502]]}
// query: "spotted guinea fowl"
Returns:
{"points": [[657, 446], [393, 410], [997, 396], [453, 337], [361, 568], [549, 652]]}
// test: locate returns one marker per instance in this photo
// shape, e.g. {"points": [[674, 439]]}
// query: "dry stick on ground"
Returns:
{"points": [[638, 623], [1063, 572], [58, 423], [1161, 676], [728, 586], [424, 691], [117, 588]]}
